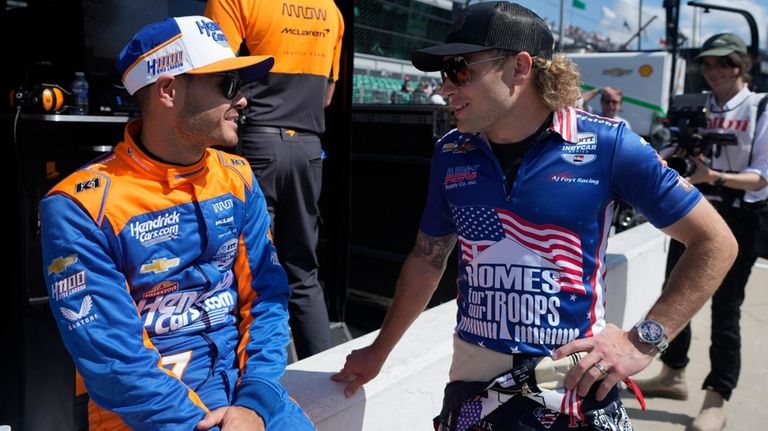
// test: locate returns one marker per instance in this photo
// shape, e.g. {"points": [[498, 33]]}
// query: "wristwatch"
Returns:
{"points": [[651, 332]]}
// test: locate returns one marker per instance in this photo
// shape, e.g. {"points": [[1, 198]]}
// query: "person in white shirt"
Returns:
{"points": [[734, 181]]}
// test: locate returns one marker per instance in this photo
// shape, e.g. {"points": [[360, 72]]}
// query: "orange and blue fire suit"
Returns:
{"points": [[166, 289]]}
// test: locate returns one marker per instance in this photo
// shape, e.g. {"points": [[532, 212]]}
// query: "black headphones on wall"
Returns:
{"points": [[43, 98], [37, 96]]}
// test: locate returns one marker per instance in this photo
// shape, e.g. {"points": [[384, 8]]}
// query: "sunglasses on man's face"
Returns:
{"points": [[230, 84], [456, 69]]}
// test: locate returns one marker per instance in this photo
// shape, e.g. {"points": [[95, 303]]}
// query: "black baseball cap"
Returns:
{"points": [[489, 25]]}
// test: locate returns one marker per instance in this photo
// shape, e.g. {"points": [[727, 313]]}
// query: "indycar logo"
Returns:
{"points": [[60, 264], [225, 255], [583, 151], [160, 265]]}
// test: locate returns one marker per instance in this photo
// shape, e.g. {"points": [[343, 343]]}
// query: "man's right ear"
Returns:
{"points": [[522, 64], [165, 88]]}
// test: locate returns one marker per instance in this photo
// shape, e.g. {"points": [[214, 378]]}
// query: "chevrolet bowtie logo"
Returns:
{"points": [[617, 72], [160, 265], [60, 264]]}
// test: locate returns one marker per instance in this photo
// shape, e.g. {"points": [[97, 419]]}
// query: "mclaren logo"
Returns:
{"points": [[301, 32], [160, 265], [60, 264]]}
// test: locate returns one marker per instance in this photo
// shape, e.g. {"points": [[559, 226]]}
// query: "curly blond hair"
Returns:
{"points": [[557, 80]]}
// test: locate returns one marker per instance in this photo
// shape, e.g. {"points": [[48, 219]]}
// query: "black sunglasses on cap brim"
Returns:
{"points": [[456, 69]]}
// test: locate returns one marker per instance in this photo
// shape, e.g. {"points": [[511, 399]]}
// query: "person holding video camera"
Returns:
{"points": [[734, 181]]}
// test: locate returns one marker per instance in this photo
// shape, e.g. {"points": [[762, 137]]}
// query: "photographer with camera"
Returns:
{"points": [[732, 175]]}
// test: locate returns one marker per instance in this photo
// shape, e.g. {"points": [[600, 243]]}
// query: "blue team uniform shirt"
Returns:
{"points": [[532, 258]]}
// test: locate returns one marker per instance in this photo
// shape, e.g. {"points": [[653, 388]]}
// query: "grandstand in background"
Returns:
{"points": [[386, 32]]}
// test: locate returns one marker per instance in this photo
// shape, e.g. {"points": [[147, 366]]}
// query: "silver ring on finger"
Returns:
{"points": [[601, 368]]}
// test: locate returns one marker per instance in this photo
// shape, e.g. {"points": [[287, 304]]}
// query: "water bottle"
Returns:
{"points": [[80, 94]]}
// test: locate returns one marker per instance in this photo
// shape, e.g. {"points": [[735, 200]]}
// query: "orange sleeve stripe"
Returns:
{"points": [[246, 296]]}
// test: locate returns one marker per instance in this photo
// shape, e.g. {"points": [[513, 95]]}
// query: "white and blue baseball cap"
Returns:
{"points": [[190, 44]]}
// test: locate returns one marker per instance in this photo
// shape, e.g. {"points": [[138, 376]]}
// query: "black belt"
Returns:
{"points": [[277, 130]]}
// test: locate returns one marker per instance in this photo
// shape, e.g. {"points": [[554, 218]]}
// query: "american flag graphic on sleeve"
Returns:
{"points": [[480, 227]]}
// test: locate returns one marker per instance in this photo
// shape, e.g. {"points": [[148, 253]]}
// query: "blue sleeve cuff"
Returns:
{"points": [[261, 397]]}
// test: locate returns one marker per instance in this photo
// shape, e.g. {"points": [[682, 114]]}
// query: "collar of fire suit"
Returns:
{"points": [[564, 124], [173, 175]]}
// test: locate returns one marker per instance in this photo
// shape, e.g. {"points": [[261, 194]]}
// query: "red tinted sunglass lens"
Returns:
{"points": [[455, 69], [462, 73]]}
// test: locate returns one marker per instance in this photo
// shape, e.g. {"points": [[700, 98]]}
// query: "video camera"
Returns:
{"points": [[688, 113]]}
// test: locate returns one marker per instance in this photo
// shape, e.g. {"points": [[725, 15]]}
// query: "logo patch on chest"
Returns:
{"points": [[584, 151], [460, 176]]}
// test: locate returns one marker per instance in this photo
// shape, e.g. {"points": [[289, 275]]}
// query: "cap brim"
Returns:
{"points": [[431, 59], [715, 52], [250, 67]]}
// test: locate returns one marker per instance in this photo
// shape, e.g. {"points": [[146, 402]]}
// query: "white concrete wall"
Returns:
{"points": [[408, 393], [635, 259]]}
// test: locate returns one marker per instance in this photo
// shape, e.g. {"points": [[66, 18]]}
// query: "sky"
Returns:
{"points": [[608, 16]]}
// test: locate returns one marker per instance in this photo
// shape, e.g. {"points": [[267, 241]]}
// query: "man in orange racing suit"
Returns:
{"points": [[162, 275]]}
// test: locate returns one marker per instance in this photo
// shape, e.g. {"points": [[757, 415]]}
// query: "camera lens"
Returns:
{"points": [[683, 165]]}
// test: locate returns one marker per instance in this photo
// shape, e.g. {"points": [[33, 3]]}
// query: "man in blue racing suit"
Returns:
{"points": [[162, 275]]}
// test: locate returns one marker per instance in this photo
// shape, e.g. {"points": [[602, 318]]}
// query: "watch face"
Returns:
{"points": [[650, 331]]}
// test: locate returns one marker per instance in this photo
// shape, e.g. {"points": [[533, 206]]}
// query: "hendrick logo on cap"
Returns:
{"points": [[212, 30], [166, 63], [180, 45]]}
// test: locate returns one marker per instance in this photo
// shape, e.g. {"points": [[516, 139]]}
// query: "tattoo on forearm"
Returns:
{"points": [[434, 250]]}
